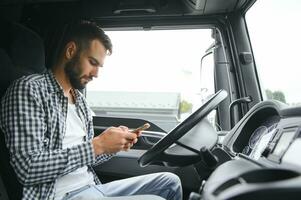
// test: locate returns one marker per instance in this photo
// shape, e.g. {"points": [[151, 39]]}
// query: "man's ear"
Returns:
{"points": [[70, 50]]}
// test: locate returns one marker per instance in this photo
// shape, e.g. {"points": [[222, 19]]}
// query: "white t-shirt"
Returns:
{"points": [[75, 132]]}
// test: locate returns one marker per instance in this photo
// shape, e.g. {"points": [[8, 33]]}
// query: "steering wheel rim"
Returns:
{"points": [[181, 129]]}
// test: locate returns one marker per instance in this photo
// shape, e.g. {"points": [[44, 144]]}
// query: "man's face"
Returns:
{"points": [[84, 65]]}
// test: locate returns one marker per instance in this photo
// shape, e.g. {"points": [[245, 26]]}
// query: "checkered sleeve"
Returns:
{"points": [[102, 158], [23, 121]]}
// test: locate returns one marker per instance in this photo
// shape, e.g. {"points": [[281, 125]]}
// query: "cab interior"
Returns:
{"points": [[250, 151]]}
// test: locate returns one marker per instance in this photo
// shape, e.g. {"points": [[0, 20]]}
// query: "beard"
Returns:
{"points": [[73, 72]]}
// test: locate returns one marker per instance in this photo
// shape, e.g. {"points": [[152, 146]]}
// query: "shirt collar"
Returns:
{"points": [[77, 95], [54, 86], [52, 83]]}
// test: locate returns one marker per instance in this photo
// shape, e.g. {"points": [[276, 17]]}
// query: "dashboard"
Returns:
{"points": [[266, 132], [264, 163], [260, 137]]}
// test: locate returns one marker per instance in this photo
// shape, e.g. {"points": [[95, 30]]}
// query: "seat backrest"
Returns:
{"points": [[21, 53]]}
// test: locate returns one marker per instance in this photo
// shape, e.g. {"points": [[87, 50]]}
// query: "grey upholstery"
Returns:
{"points": [[6, 68], [21, 53]]}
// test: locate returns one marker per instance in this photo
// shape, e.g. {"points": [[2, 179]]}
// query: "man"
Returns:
{"points": [[49, 131]]}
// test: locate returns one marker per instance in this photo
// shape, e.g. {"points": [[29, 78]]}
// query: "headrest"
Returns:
{"points": [[26, 49], [21, 53]]}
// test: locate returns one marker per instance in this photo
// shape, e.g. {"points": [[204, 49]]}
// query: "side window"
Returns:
{"points": [[274, 29], [154, 75]]}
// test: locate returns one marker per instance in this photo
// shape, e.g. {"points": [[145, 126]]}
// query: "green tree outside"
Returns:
{"points": [[185, 106], [269, 94], [277, 95]]}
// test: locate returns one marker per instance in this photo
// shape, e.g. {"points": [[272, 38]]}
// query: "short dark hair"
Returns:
{"points": [[82, 33]]}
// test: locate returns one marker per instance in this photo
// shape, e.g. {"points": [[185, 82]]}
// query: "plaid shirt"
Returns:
{"points": [[33, 118]]}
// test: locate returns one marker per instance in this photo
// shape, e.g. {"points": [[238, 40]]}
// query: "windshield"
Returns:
{"points": [[154, 75], [274, 28]]}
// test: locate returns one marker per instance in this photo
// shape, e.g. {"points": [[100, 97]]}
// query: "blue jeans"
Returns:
{"points": [[166, 185]]}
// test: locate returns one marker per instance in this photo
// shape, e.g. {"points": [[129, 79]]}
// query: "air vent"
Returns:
{"points": [[136, 7]]}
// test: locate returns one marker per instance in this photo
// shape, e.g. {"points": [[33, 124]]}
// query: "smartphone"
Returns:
{"points": [[141, 128]]}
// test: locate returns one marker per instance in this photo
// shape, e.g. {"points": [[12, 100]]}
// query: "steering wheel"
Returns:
{"points": [[158, 153]]}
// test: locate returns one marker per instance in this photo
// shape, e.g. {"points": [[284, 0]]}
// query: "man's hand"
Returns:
{"points": [[114, 139]]}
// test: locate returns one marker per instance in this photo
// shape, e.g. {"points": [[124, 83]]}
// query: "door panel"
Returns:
{"points": [[125, 164]]}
